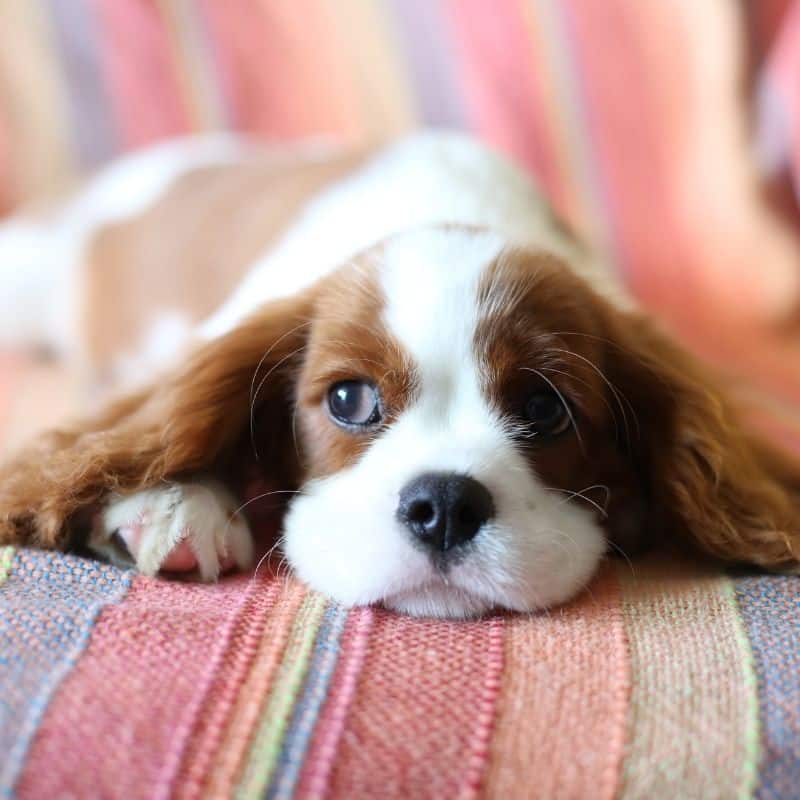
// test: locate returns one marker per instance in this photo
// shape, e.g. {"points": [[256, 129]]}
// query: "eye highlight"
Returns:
{"points": [[354, 404], [546, 412]]}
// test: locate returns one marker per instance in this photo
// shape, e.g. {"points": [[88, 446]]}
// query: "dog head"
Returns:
{"points": [[473, 427]]}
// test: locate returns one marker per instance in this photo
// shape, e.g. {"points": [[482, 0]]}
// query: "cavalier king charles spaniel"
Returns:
{"points": [[458, 406]]}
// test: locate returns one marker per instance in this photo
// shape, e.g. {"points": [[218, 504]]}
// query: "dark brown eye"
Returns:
{"points": [[354, 403], [547, 413]]}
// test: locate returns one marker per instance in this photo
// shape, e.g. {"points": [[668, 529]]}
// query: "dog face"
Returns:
{"points": [[461, 425], [448, 424]]}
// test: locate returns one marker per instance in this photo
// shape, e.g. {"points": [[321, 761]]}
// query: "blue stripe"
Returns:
{"points": [[95, 135], [48, 607], [423, 29], [770, 609], [308, 707]]}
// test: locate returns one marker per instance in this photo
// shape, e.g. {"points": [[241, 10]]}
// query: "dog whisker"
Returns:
{"points": [[254, 397]]}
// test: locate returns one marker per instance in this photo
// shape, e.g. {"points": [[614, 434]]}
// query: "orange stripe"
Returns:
{"points": [[562, 718], [45, 395]]}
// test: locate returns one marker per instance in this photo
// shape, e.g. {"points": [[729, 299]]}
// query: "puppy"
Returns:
{"points": [[462, 408]]}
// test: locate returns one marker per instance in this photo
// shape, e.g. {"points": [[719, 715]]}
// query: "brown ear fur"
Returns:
{"points": [[180, 424], [710, 479]]}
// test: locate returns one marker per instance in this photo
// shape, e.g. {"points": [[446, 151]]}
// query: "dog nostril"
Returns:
{"points": [[421, 513], [467, 516]]}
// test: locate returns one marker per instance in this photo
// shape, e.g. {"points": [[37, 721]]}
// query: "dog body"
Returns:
{"points": [[463, 406]]}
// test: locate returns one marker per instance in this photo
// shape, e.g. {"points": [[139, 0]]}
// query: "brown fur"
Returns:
{"points": [[183, 423], [657, 429], [348, 341]]}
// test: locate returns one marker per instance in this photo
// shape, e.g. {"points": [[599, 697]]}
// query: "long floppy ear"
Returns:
{"points": [[183, 423], [709, 478]]}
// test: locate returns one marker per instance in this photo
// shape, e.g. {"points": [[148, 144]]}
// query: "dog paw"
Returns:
{"points": [[178, 527]]}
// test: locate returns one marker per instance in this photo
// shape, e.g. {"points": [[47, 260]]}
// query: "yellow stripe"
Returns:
{"points": [[366, 43], [193, 65], [265, 748], [6, 560]]}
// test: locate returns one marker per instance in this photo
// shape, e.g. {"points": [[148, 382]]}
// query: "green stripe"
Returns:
{"points": [[752, 732], [6, 560], [266, 748]]}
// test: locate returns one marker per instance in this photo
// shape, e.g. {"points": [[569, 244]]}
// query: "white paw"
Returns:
{"points": [[177, 527]]}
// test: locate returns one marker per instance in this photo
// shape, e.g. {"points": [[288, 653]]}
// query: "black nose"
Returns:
{"points": [[444, 510]]}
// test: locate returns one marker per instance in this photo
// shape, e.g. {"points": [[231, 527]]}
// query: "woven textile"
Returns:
{"points": [[669, 681]]}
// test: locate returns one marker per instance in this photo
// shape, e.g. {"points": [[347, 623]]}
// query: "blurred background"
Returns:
{"points": [[667, 133]]}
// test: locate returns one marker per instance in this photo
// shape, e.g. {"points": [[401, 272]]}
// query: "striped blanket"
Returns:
{"points": [[665, 680]]}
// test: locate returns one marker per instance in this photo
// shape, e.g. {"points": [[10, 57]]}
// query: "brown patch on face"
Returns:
{"points": [[349, 341], [542, 329]]}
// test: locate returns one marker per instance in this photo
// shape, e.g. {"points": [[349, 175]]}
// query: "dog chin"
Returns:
{"points": [[439, 601]]}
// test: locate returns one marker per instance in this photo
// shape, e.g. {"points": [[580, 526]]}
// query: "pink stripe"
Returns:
{"points": [[213, 714], [135, 693], [321, 755], [481, 739], [425, 678], [141, 73], [501, 84], [250, 612], [282, 72]]}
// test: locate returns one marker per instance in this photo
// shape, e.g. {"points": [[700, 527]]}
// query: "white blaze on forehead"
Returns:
{"points": [[431, 280]]}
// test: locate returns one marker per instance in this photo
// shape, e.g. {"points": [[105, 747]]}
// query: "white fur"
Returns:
{"points": [[341, 535], [198, 513], [428, 179], [40, 259]]}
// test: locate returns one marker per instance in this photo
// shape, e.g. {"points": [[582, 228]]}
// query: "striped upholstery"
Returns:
{"points": [[667, 680], [670, 681]]}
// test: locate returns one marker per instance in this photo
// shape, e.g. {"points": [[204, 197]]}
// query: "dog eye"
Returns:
{"points": [[547, 413], [354, 403]]}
